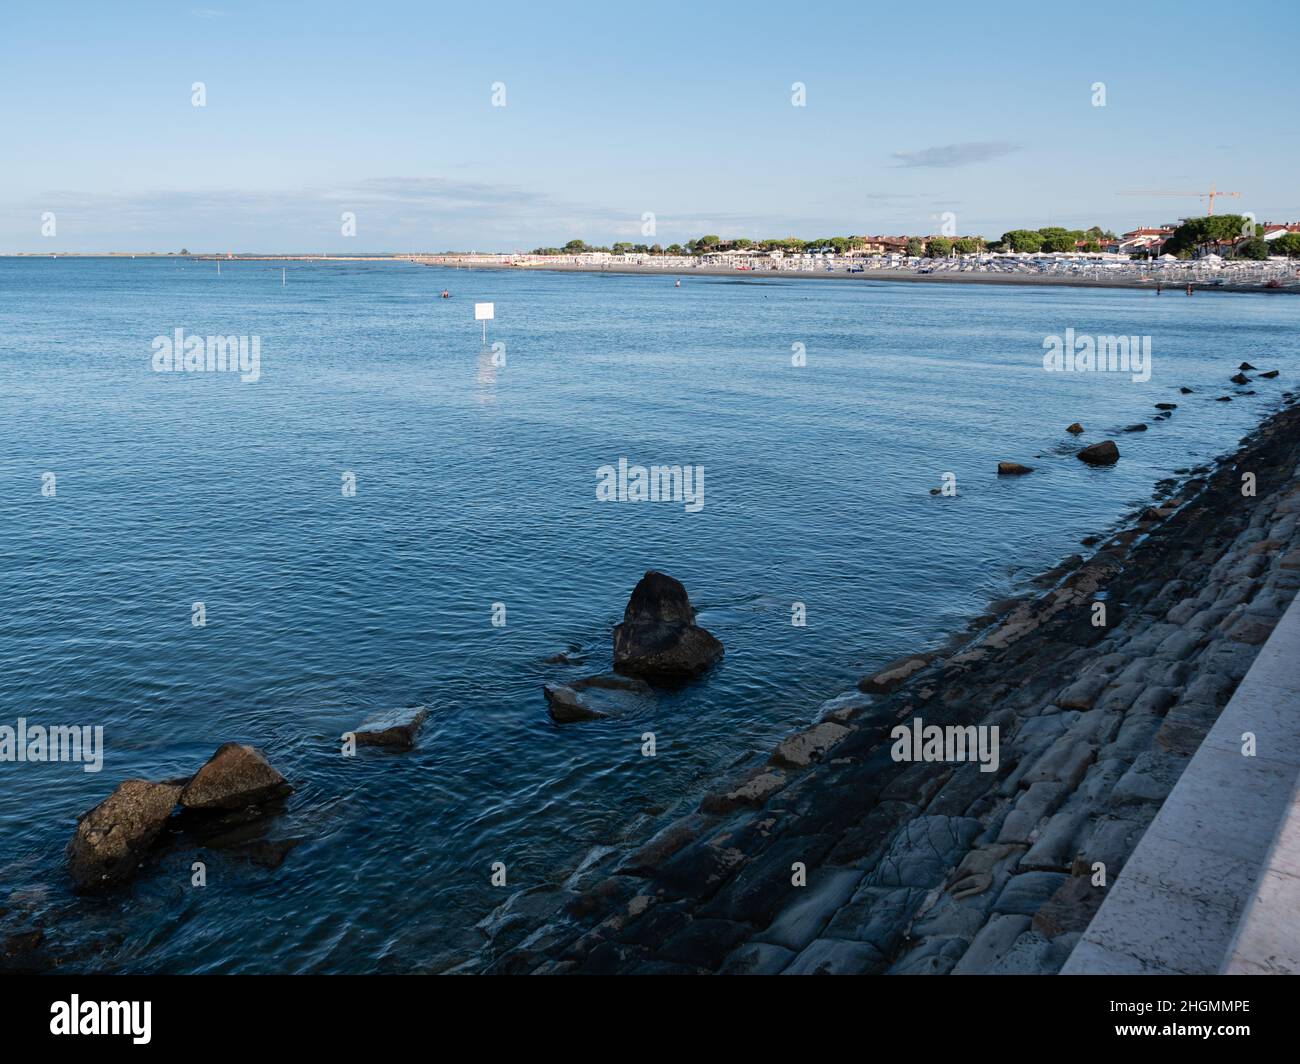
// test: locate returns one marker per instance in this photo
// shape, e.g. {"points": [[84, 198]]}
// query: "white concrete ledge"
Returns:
{"points": [[1214, 884]]}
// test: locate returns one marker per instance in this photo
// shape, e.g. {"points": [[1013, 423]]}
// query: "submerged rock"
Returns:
{"points": [[844, 707], [659, 636], [1013, 469], [1136, 428], [1270, 374], [22, 952], [267, 853], [567, 706], [1239, 378], [396, 729], [894, 674], [594, 697], [1245, 365], [1166, 406], [1185, 390], [236, 776], [112, 839], [611, 681], [1076, 428], [1054, 575], [1104, 453]]}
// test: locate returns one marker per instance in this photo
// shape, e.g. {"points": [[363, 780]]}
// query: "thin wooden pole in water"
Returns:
{"points": [[283, 281]]}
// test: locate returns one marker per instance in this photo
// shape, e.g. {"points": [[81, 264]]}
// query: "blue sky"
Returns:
{"points": [[613, 110]]}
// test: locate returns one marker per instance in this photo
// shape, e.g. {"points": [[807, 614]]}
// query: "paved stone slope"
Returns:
{"points": [[937, 867]]}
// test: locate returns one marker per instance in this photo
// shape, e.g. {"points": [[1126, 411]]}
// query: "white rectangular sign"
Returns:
{"points": [[483, 311]]}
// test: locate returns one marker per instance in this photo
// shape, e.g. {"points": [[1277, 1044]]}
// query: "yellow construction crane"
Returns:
{"points": [[1199, 195]]}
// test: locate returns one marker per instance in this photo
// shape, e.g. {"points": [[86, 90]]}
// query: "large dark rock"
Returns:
{"points": [[1104, 453], [659, 636], [113, 838], [235, 777]]}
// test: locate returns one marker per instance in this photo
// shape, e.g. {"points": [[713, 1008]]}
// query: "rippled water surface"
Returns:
{"points": [[476, 485]]}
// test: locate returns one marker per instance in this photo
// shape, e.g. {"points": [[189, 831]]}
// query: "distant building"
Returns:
{"points": [[1150, 240], [1271, 231], [868, 245], [871, 246]]}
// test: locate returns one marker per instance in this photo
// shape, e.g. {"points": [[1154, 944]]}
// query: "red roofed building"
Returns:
{"points": [[1271, 231], [1146, 239]]}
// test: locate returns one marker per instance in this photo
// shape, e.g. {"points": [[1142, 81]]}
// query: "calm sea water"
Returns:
{"points": [[476, 485]]}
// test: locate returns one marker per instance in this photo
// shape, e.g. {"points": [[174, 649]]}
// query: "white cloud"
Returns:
{"points": [[949, 155]]}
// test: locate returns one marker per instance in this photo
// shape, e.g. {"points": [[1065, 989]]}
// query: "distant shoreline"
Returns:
{"points": [[874, 275]]}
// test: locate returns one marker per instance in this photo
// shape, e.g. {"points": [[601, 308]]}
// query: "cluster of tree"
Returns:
{"points": [[1223, 233], [712, 242], [940, 247], [935, 247], [581, 247], [1199, 236], [573, 247], [1287, 244], [1257, 248], [1195, 236], [791, 245], [1053, 238]]}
